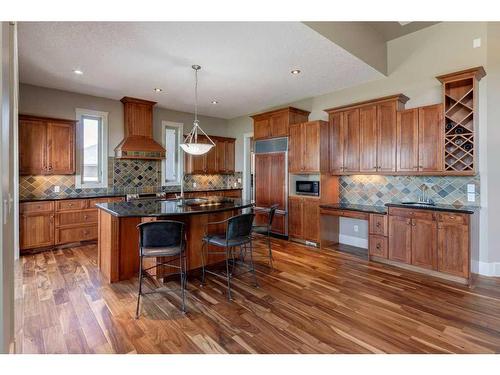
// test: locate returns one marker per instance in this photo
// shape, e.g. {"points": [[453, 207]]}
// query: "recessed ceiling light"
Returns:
{"points": [[295, 71], [78, 72], [157, 89], [215, 102]]}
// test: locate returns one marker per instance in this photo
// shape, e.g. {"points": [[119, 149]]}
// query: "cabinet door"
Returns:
{"points": [[407, 140], [211, 159], [61, 148], [279, 125], [262, 180], [262, 128], [386, 145], [336, 143], [368, 139], [220, 155], [296, 149], [311, 154], [431, 138], [277, 180], [311, 220], [424, 243], [453, 249], [32, 147], [36, 230], [351, 141], [400, 239], [230, 151], [295, 215]]}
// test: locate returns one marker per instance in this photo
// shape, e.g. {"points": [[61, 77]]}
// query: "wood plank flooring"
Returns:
{"points": [[315, 301]]}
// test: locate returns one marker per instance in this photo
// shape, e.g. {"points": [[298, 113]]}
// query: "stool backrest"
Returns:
{"points": [[161, 233], [239, 226]]}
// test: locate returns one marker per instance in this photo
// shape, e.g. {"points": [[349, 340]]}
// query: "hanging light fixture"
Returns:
{"points": [[191, 144]]}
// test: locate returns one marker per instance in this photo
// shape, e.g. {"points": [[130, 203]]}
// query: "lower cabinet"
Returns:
{"points": [[36, 230], [430, 240], [303, 218]]}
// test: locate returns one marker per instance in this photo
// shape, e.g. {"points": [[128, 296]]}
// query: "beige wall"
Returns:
{"points": [[413, 62], [61, 104]]}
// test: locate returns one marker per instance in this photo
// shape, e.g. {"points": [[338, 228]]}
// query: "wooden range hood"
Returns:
{"points": [[138, 142]]}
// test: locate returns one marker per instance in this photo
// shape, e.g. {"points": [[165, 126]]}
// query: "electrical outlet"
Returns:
{"points": [[471, 197], [194, 185], [471, 188], [356, 228], [239, 180], [476, 43], [57, 188], [235, 184]]}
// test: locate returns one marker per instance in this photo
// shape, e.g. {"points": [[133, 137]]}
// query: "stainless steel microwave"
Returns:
{"points": [[307, 188]]}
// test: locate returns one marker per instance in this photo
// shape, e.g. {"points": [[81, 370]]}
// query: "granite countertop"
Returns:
{"points": [[154, 208], [355, 207], [105, 195], [438, 207]]}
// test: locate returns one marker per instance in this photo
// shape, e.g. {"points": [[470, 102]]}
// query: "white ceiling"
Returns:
{"points": [[245, 65]]}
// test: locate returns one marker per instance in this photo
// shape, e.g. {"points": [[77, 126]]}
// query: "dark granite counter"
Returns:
{"points": [[155, 208], [105, 195], [438, 207], [355, 207]]}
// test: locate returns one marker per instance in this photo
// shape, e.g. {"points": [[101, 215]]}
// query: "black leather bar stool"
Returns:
{"points": [[265, 229], [238, 234], [165, 239]]}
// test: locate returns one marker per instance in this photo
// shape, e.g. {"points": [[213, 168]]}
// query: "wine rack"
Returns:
{"points": [[460, 120]]}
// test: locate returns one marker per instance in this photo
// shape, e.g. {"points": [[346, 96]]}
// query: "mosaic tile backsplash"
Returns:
{"points": [[378, 190], [124, 176]]}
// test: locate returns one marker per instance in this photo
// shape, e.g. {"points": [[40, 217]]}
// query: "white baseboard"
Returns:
{"points": [[353, 241], [485, 268]]}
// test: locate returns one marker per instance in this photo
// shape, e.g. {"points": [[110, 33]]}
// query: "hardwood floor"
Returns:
{"points": [[315, 301]]}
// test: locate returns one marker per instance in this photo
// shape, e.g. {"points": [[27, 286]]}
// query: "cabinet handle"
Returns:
{"points": [[420, 166], [378, 246], [85, 217]]}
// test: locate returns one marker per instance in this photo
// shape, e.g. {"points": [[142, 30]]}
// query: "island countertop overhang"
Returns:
{"points": [[159, 208]]}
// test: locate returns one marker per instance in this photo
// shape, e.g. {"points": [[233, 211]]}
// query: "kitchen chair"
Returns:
{"points": [[238, 234], [265, 229], [162, 239]]}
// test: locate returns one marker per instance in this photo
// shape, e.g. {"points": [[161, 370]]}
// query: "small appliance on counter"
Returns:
{"points": [[307, 188]]}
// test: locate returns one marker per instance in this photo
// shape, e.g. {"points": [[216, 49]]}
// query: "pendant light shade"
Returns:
{"points": [[192, 144]]}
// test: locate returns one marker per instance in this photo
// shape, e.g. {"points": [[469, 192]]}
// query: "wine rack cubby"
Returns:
{"points": [[460, 120]]}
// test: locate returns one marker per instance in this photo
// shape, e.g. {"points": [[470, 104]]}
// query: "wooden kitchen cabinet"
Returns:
{"points": [[368, 139], [219, 160], [424, 242], [336, 143], [36, 230], [400, 231], [308, 145], [46, 146], [303, 218], [407, 141], [386, 135], [453, 244], [351, 140], [276, 123]]}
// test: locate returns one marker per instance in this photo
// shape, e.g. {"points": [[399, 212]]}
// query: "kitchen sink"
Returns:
{"points": [[419, 203]]}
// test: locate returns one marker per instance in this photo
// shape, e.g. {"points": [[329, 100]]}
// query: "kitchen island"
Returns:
{"points": [[118, 237]]}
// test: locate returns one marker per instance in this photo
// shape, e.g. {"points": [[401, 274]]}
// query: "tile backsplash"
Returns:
{"points": [[378, 190], [124, 176]]}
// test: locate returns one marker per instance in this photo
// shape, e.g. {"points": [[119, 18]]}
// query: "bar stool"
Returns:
{"points": [[238, 234], [162, 238], [265, 229]]}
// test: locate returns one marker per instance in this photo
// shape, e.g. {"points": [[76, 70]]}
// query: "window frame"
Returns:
{"points": [[103, 149], [180, 164]]}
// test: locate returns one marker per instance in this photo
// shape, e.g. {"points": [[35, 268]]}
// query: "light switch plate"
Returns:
{"points": [[356, 228], [471, 197], [476, 43], [471, 188], [57, 188]]}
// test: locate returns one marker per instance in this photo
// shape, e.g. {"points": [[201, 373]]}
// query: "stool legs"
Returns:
{"points": [[269, 249], [252, 265], [228, 275], [140, 290]]}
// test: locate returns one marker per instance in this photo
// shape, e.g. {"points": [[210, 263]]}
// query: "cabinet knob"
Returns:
{"points": [[378, 224], [378, 246], [85, 217], [421, 166]]}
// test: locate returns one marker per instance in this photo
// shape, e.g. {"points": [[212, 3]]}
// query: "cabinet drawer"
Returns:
{"points": [[75, 234], [453, 218], [412, 213], [378, 246], [31, 207], [378, 224], [71, 204], [78, 217]]}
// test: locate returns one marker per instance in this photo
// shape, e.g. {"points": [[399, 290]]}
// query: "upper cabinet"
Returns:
{"points": [[219, 160], [308, 147], [362, 136], [275, 124], [46, 146]]}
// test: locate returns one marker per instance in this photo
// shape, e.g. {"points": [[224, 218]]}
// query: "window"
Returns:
{"points": [[172, 133], [92, 154]]}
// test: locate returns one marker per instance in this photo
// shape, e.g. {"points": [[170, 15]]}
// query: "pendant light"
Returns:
{"points": [[191, 144]]}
